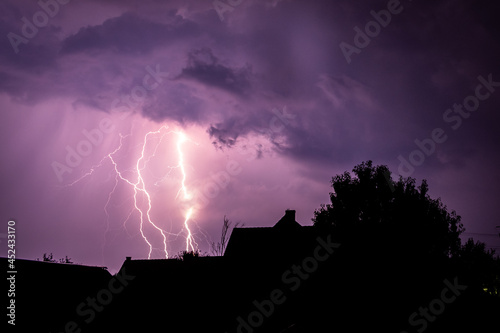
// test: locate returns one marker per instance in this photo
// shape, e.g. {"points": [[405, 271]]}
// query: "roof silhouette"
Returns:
{"points": [[286, 238], [272, 273]]}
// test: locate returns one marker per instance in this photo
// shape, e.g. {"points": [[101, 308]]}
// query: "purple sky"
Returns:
{"points": [[275, 99]]}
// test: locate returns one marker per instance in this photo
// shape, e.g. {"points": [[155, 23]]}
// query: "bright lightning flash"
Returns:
{"points": [[189, 239], [140, 191]]}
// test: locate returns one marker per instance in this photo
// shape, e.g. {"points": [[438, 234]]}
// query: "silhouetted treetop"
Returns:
{"points": [[480, 266], [371, 203]]}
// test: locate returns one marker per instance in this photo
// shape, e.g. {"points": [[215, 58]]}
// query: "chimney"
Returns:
{"points": [[287, 221], [290, 215], [128, 258]]}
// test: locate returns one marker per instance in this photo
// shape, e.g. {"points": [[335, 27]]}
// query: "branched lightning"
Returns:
{"points": [[136, 181], [139, 186]]}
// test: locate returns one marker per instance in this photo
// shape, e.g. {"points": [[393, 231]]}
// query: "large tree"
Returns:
{"points": [[370, 205]]}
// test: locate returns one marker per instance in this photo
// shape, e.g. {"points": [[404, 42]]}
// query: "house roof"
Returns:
{"points": [[286, 237], [166, 266]]}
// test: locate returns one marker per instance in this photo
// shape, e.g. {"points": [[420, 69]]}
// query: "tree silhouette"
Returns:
{"points": [[187, 255], [371, 206], [219, 247], [480, 266], [49, 257]]}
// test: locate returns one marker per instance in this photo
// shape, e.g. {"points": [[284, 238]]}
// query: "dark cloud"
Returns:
{"points": [[228, 75], [205, 67], [129, 33], [175, 102], [222, 137]]}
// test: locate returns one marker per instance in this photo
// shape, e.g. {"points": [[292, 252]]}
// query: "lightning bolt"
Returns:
{"points": [[140, 191], [189, 238], [139, 186]]}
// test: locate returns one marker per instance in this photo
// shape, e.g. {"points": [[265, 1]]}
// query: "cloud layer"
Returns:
{"points": [[270, 81]]}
